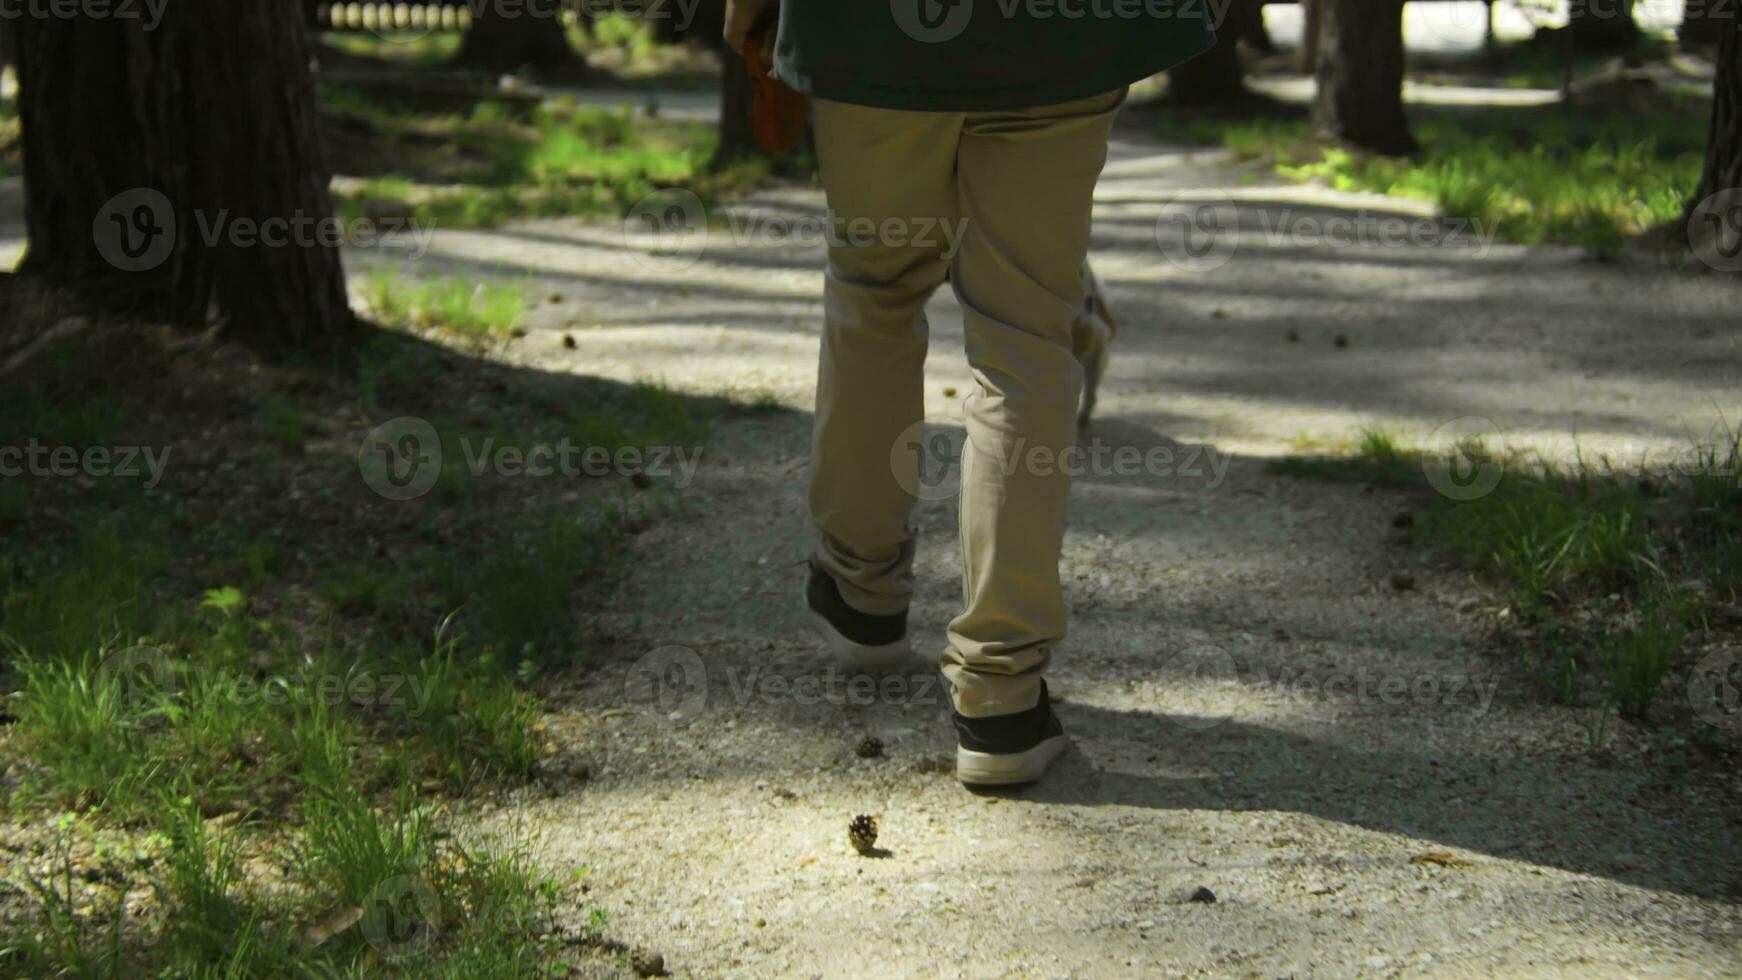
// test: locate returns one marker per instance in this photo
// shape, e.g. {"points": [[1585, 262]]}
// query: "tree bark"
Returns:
{"points": [[1360, 76], [1216, 77], [1703, 23], [1313, 33], [507, 39], [1602, 25], [1724, 151], [737, 137], [174, 169]]}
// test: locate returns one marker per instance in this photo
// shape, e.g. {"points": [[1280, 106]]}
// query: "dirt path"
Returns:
{"points": [[1256, 710]]}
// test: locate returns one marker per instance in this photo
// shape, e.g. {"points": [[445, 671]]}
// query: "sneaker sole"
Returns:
{"points": [[1009, 768], [857, 656]]}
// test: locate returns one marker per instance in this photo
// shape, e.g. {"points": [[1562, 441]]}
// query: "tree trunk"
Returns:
{"points": [[1602, 25], [1216, 77], [1246, 17], [737, 136], [1312, 34], [174, 169], [507, 39], [1703, 23], [1360, 76], [1724, 152]]}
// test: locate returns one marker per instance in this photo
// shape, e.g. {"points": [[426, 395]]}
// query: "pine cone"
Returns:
{"points": [[869, 747], [862, 833]]}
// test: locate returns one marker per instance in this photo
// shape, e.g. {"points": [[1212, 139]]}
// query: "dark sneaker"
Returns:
{"points": [[861, 640], [1008, 750]]}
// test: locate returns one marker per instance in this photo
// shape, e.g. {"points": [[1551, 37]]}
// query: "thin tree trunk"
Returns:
{"points": [[1216, 77], [737, 136], [1724, 152], [1703, 23], [1602, 25], [175, 170], [1360, 76], [1312, 34], [508, 39]]}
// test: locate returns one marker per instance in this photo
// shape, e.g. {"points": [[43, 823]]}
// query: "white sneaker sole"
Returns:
{"points": [[1010, 768], [858, 656]]}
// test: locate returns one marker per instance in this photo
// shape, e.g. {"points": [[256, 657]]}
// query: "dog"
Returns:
{"points": [[1092, 341]]}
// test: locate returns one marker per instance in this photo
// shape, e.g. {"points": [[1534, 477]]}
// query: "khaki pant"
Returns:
{"points": [[1019, 185]]}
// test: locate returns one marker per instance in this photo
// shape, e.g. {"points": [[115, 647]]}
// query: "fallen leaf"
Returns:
{"points": [[1442, 858]]}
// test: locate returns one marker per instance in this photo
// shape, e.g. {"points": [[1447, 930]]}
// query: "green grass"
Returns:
{"points": [[412, 50], [162, 669], [480, 310], [567, 160], [283, 422], [106, 589], [1588, 560], [1539, 176]]}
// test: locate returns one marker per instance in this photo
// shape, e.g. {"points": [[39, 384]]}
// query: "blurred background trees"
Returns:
{"points": [[507, 124]]}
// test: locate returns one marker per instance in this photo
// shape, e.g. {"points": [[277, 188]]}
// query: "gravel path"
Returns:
{"points": [[1257, 711]]}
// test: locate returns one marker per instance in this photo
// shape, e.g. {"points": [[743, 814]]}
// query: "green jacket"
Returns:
{"points": [[973, 55]]}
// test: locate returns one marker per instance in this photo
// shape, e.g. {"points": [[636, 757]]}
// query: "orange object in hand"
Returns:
{"points": [[776, 111]]}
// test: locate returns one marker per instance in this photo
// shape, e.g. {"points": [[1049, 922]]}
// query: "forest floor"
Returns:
{"points": [[1280, 698], [1272, 693]]}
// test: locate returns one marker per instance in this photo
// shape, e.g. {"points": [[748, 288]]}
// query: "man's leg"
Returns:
{"points": [[891, 174], [1026, 183]]}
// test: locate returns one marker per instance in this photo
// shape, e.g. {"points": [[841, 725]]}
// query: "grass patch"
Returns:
{"points": [[283, 422], [182, 681], [566, 160], [1591, 561], [479, 310], [1537, 175]]}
